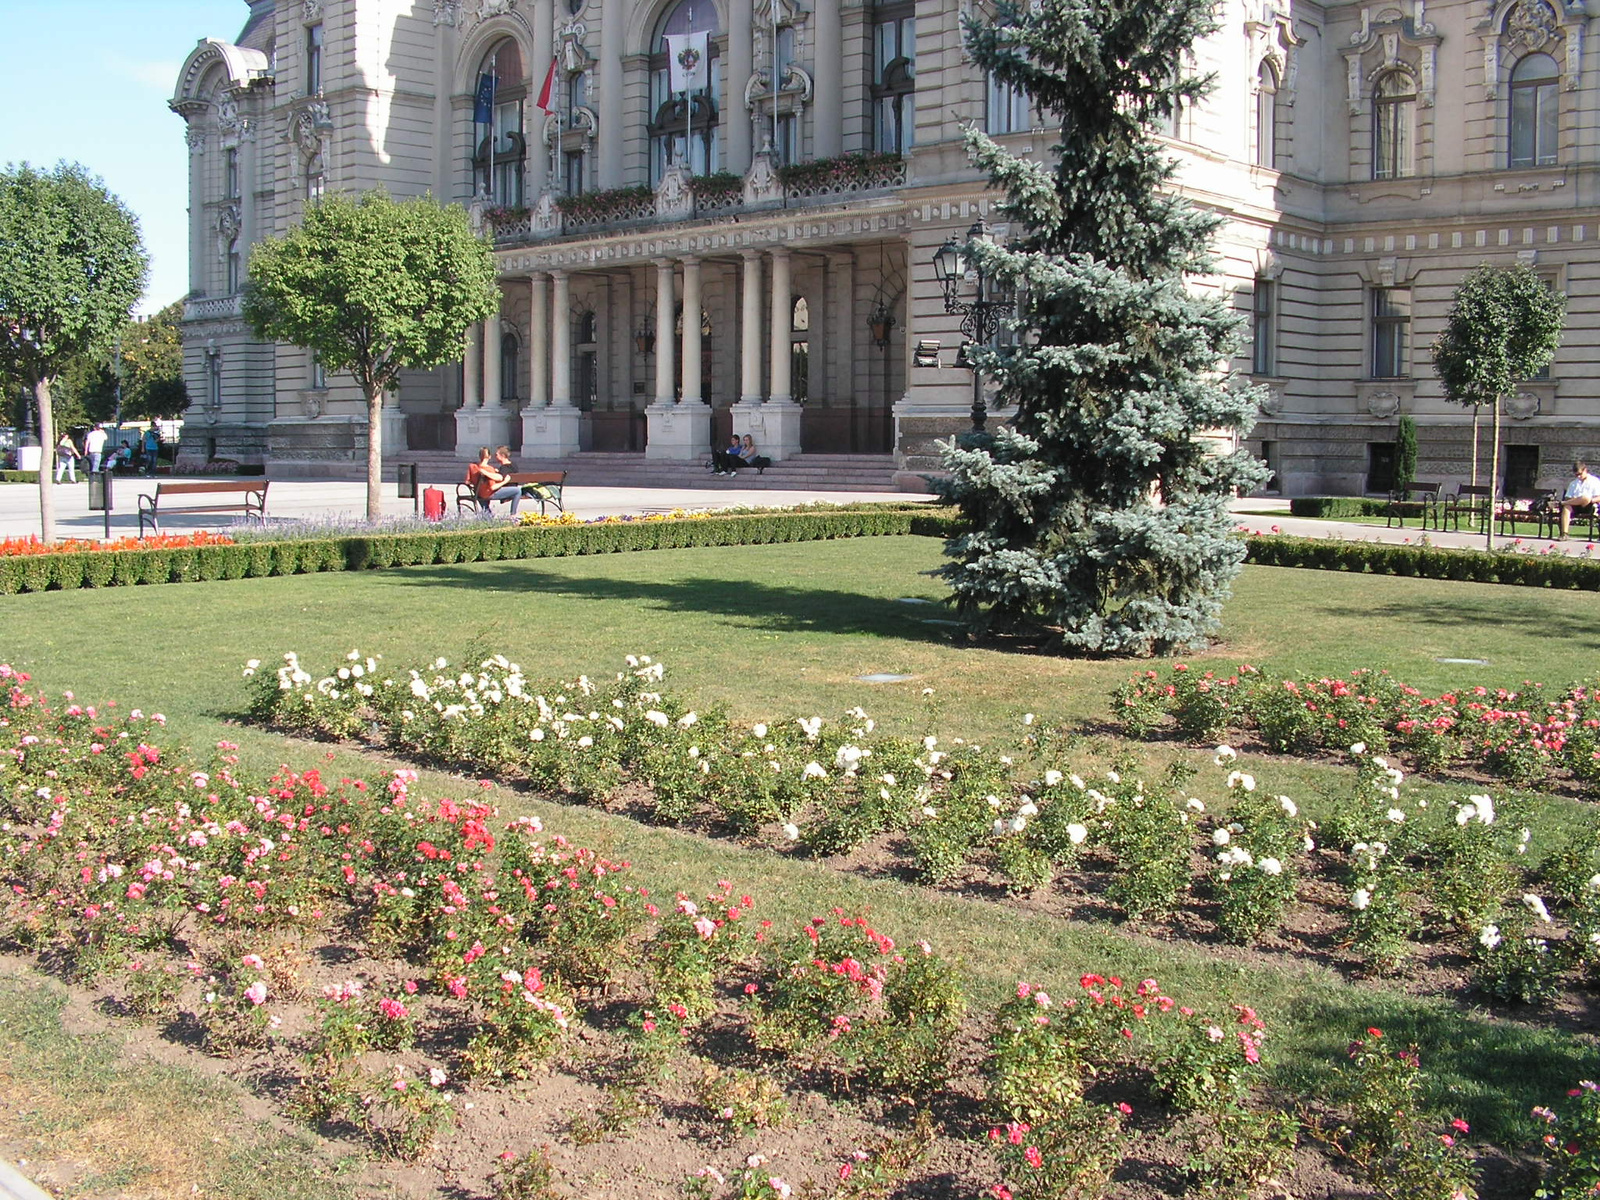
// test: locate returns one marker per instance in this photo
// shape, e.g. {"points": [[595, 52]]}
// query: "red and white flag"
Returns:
{"points": [[546, 99]]}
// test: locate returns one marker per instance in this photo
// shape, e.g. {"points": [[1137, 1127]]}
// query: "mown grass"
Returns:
{"points": [[783, 631], [111, 1127]]}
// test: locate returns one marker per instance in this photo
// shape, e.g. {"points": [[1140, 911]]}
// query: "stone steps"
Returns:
{"points": [[804, 472]]}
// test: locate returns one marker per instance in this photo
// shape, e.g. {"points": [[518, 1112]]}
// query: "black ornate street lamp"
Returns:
{"points": [[981, 315]]}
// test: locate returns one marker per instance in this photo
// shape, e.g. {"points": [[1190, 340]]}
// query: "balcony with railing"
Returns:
{"points": [[684, 197]]}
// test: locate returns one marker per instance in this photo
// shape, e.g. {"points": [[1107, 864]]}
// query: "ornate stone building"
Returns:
{"points": [[758, 255]]}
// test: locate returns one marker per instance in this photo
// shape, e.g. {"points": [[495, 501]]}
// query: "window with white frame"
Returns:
{"points": [[1394, 120], [1534, 112], [1264, 327], [1007, 110], [894, 78], [1391, 332], [1267, 116]]}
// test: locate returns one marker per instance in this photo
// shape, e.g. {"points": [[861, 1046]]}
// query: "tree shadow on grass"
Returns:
{"points": [[1581, 629], [789, 609]]}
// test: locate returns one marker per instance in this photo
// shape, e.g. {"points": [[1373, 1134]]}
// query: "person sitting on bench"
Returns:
{"points": [[1581, 493], [489, 483]]}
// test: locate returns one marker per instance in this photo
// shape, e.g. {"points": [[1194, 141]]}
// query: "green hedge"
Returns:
{"points": [[1427, 562], [1336, 506], [255, 560], [19, 477]]}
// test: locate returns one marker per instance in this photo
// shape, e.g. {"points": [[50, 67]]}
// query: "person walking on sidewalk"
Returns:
{"points": [[67, 458]]}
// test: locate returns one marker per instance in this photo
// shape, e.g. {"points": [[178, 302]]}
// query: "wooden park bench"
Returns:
{"points": [[247, 496], [550, 483]]}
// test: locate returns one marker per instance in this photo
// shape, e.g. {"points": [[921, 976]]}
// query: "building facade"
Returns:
{"points": [[758, 255]]}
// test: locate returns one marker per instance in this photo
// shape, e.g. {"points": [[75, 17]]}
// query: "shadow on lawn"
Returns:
{"points": [[1580, 628], [791, 609]]}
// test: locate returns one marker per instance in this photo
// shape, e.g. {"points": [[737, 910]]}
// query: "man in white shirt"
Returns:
{"points": [[1581, 493], [94, 445]]}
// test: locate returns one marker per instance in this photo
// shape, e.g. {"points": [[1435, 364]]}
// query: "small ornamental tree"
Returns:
{"points": [[71, 266], [1405, 454], [1099, 516], [374, 286], [1503, 328]]}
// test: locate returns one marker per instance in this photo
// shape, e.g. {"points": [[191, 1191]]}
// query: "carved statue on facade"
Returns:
{"points": [[1531, 23], [309, 127], [446, 12]]}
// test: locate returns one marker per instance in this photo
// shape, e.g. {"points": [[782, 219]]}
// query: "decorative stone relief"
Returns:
{"points": [[1393, 40], [474, 11], [1522, 406], [1531, 23], [761, 181], [1383, 404], [1273, 38], [229, 222], [195, 136], [446, 12], [1528, 27], [309, 127], [570, 50], [546, 216], [311, 11], [673, 197], [1271, 402], [312, 404]]}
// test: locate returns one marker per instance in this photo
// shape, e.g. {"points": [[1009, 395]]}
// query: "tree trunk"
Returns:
{"points": [[374, 451], [1475, 445], [1494, 473], [47, 445]]}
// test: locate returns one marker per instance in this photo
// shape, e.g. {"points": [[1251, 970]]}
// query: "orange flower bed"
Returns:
{"points": [[16, 547]]}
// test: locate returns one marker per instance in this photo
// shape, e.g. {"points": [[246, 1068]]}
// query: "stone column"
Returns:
{"points": [[538, 166], [665, 302], [613, 14], [491, 363], [198, 234], [677, 432], [780, 415], [782, 314], [472, 368], [750, 331], [561, 341], [551, 424], [692, 383], [538, 342], [739, 63], [828, 112]]}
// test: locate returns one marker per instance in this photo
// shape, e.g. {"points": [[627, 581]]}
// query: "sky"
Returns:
{"points": [[88, 81]]}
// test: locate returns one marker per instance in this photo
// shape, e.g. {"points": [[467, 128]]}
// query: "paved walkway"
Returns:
{"points": [[322, 500]]}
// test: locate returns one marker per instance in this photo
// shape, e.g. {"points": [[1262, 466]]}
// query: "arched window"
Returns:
{"points": [[234, 266], [1267, 116], [1394, 116], [499, 149], [800, 350], [671, 121], [316, 179], [894, 77], [510, 370], [1534, 112]]}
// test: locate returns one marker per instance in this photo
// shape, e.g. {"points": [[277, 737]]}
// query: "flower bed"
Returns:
{"points": [[31, 545], [256, 557], [1399, 879], [390, 962], [1526, 736]]}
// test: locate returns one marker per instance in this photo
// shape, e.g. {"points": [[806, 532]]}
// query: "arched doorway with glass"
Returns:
{"points": [[679, 136], [499, 150]]}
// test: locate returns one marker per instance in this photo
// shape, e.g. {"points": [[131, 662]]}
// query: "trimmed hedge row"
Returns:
{"points": [[255, 560], [19, 477], [1426, 562], [1336, 506]]}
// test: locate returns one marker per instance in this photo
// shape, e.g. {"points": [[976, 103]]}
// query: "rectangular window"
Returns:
{"points": [[314, 60], [319, 375], [573, 162], [894, 70], [1007, 108], [788, 147], [231, 175], [234, 267], [1391, 334], [1264, 327]]}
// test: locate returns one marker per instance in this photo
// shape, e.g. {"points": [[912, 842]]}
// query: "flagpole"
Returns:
{"points": [[775, 149]]}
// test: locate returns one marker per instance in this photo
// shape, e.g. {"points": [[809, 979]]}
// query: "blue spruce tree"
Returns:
{"points": [[1098, 517]]}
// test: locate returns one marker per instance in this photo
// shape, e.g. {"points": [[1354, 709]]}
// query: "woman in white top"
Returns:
{"points": [[67, 458]]}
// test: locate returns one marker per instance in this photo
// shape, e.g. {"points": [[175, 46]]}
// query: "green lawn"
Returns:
{"points": [[784, 630]]}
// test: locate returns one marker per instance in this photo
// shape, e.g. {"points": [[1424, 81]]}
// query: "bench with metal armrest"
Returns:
{"points": [[249, 498], [543, 486]]}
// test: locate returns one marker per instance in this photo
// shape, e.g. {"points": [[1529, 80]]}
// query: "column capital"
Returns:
{"points": [[779, 252], [750, 256], [664, 264], [689, 259]]}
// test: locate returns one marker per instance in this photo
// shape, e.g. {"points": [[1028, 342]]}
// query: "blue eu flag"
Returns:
{"points": [[483, 107]]}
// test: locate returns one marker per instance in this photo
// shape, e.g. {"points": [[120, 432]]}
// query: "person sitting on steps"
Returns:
{"points": [[747, 457], [723, 462]]}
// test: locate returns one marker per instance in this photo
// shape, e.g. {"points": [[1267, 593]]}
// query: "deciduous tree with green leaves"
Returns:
{"points": [[71, 267], [1504, 327], [374, 286], [1098, 514]]}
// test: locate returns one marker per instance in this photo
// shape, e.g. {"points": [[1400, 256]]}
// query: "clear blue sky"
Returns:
{"points": [[88, 81]]}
